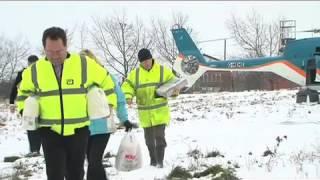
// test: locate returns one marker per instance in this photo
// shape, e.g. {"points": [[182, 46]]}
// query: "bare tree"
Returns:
{"points": [[40, 50], [13, 54], [83, 32], [70, 35], [274, 37], [163, 40], [256, 37], [80, 37], [119, 41]]}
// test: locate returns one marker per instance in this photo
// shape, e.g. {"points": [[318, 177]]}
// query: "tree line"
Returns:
{"points": [[117, 39]]}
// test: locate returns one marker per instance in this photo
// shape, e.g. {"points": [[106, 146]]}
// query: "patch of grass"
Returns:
{"points": [[179, 173], [214, 153], [21, 172], [196, 154], [268, 152], [236, 165], [218, 173]]}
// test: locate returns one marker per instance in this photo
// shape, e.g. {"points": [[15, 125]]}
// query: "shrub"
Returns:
{"points": [[218, 173], [196, 154], [214, 153], [179, 173]]}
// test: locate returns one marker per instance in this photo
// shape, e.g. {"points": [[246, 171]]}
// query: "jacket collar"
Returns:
{"points": [[68, 56]]}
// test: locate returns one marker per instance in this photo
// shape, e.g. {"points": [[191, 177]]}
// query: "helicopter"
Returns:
{"points": [[299, 63]]}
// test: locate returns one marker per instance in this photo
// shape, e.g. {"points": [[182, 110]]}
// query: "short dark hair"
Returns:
{"points": [[54, 33], [144, 54], [32, 58]]}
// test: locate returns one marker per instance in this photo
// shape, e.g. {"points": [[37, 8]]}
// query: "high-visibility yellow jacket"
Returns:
{"points": [[153, 110], [63, 105]]}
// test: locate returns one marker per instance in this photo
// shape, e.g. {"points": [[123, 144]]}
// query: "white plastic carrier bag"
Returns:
{"points": [[98, 106], [30, 113], [111, 124], [129, 155]]}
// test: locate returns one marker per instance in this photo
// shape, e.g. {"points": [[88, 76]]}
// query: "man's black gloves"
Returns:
{"points": [[128, 125]]}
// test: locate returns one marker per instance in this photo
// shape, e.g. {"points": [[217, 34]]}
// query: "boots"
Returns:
{"points": [[160, 156], [152, 155]]}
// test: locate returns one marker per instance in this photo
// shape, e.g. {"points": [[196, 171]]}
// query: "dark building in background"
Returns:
{"points": [[216, 81]]}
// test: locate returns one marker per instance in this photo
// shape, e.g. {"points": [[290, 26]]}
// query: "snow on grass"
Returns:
{"points": [[240, 126]]}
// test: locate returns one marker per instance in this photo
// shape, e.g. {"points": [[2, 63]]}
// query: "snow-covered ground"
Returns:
{"points": [[241, 126]]}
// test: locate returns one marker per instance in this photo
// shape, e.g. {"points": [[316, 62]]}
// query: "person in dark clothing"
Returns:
{"points": [[14, 89], [33, 136]]}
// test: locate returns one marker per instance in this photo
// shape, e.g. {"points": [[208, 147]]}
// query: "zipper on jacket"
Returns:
{"points": [[60, 94]]}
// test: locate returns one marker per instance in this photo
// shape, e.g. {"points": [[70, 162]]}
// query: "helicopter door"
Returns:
{"points": [[317, 71], [311, 71]]}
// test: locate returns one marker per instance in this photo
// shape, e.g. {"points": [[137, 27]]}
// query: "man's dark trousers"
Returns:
{"points": [[34, 140], [156, 143], [64, 155], [96, 146]]}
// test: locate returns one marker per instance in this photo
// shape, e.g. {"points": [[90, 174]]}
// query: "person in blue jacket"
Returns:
{"points": [[100, 132]]}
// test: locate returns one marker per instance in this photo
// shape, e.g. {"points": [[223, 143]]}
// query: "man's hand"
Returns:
{"points": [[128, 125], [176, 92]]}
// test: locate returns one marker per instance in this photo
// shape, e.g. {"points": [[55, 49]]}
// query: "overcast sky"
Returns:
{"points": [[208, 19]]}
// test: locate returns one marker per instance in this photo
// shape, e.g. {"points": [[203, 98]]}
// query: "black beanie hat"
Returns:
{"points": [[144, 54], [32, 58]]}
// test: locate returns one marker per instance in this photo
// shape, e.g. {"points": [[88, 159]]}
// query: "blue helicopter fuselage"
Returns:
{"points": [[292, 64]]}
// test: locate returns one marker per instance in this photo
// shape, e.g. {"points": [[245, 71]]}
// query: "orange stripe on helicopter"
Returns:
{"points": [[285, 62], [294, 67]]}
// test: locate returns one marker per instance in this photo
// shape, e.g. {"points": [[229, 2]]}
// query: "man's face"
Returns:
{"points": [[55, 51], [147, 64]]}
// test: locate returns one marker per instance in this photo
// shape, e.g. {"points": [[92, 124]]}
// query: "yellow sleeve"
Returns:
{"points": [[25, 89], [100, 76], [128, 86], [168, 74]]}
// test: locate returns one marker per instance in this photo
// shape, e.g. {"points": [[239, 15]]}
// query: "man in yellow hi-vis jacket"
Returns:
{"points": [[153, 109], [60, 81]]}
